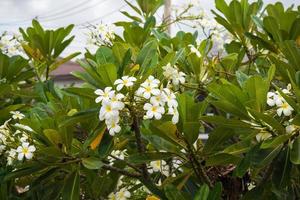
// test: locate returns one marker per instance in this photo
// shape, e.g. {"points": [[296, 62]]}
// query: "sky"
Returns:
{"points": [[56, 13]]}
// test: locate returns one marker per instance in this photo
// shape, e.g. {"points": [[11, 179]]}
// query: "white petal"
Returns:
{"points": [[28, 155], [147, 106], [119, 87], [32, 148], [118, 81], [99, 92], [20, 156]]}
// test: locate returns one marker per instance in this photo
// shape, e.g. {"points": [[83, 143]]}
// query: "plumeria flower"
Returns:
{"points": [[123, 194], [174, 112], [2, 148], [11, 156], [118, 154], [17, 115], [169, 71], [116, 102], [159, 166], [151, 81], [113, 126], [107, 111], [263, 136], [290, 128], [195, 50], [158, 99], [23, 127], [170, 98], [155, 111], [173, 74], [271, 98], [147, 90], [24, 138], [124, 81], [284, 108], [112, 196], [25, 151], [178, 78], [104, 95]]}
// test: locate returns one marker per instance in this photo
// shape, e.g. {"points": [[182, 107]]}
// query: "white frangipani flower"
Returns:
{"points": [[290, 128], [104, 95], [173, 74], [123, 194], [159, 166], [17, 115], [148, 88], [25, 151], [169, 71], [263, 136], [170, 98], [112, 196], [23, 127], [116, 102], [158, 99], [271, 98], [124, 81], [155, 111], [151, 81], [118, 154], [108, 111], [113, 126], [284, 108]]}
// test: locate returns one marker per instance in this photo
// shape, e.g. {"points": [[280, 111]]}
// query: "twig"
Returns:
{"points": [[122, 171], [127, 163]]}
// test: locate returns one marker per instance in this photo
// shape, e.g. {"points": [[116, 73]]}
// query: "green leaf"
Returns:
{"points": [[81, 116], [92, 163], [257, 89], [149, 156], [71, 188], [202, 193], [275, 142], [222, 159], [108, 73], [295, 151], [53, 136], [216, 192], [173, 193], [267, 120], [147, 56], [189, 115]]}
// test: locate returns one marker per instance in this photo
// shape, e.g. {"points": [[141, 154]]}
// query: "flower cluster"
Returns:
{"points": [[10, 44], [15, 142], [122, 192], [152, 100], [173, 74], [189, 12], [275, 99], [159, 166], [100, 34]]}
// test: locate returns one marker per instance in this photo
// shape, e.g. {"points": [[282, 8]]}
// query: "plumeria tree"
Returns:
{"points": [[156, 116]]}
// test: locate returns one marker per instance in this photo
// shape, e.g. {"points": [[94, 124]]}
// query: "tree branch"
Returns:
{"points": [[122, 171]]}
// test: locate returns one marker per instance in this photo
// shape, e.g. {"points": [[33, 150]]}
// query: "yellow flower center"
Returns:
{"points": [[148, 89], [154, 109], [284, 105], [25, 150], [157, 163], [108, 108], [125, 82]]}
